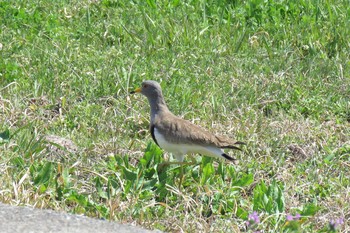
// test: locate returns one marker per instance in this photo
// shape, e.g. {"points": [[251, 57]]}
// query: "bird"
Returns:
{"points": [[179, 136]]}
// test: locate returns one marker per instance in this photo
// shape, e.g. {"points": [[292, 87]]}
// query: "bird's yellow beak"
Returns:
{"points": [[137, 90]]}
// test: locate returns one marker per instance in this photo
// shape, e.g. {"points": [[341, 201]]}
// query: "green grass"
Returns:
{"points": [[275, 74]]}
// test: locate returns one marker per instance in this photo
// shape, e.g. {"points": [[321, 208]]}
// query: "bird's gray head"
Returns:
{"points": [[153, 92], [150, 89]]}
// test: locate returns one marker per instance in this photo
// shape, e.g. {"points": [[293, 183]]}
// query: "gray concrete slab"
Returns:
{"points": [[28, 220]]}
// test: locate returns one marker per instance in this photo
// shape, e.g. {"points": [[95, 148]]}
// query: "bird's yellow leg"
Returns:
{"points": [[181, 164], [181, 177]]}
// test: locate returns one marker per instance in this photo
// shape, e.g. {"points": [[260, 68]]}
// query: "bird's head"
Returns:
{"points": [[150, 89]]}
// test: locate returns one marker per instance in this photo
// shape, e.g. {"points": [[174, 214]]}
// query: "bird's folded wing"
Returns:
{"points": [[178, 130]]}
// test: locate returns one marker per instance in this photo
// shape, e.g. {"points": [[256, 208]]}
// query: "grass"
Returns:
{"points": [[274, 74]]}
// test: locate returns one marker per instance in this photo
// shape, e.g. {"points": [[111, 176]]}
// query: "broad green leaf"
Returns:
{"points": [[150, 184], [66, 178], [5, 136], [42, 188], [44, 174], [129, 175], [208, 171], [269, 199], [99, 188], [310, 210], [246, 179]]}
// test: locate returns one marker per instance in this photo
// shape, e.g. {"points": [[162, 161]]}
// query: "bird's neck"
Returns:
{"points": [[158, 106]]}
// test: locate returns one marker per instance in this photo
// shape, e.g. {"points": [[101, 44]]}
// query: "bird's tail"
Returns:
{"points": [[226, 156], [233, 146]]}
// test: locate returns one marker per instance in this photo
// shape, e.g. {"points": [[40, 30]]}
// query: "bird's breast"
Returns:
{"points": [[164, 143]]}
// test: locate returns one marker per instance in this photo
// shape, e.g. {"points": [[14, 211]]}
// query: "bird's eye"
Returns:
{"points": [[145, 85]]}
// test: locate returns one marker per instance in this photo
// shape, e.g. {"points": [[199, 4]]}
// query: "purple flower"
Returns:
{"points": [[341, 221], [253, 221], [254, 217], [290, 217], [333, 224]]}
